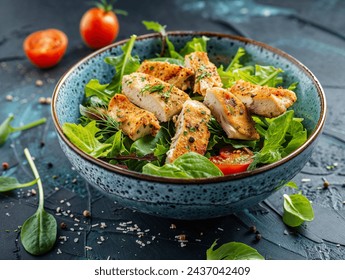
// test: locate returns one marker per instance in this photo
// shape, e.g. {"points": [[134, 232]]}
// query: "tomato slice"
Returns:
{"points": [[231, 161], [45, 48]]}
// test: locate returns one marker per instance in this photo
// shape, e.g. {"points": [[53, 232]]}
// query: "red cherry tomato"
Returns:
{"points": [[45, 48], [99, 27], [231, 161]]}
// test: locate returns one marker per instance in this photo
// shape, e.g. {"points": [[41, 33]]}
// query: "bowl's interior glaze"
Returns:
{"points": [[310, 105]]}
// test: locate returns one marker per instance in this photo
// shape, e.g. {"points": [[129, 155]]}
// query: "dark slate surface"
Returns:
{"points": [[312, 31]]}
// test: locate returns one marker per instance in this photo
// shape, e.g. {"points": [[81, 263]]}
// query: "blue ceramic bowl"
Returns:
{"points": [[184, 198]]}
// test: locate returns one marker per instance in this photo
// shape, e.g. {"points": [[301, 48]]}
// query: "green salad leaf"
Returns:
{"points": [[233, 251], [297, 209], [189, 165], [124, 64], [197, 44], [94, 88], [282, 135], [84, 137]]}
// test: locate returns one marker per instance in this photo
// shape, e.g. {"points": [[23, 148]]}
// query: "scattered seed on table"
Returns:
{"points": [[173, 226], [252, 229], [258, 236], [39, 83], [33, 192], [9, 97], [76, 240], [88, 248], [50, 165], [325, 183], [86, 213], [5, 165], [63, 225]]}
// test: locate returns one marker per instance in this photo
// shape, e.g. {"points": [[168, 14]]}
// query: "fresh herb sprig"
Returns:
{"points": [[6, 129]]}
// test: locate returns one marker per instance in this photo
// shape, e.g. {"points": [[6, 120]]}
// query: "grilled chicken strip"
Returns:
{"points": [[154, 95], [231, 114], [263, 100], [173, 74], [192, 133], [206, 75], [134, 122]]}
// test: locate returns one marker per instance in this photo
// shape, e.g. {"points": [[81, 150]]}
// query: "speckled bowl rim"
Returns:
{"points": [[140, 176]]}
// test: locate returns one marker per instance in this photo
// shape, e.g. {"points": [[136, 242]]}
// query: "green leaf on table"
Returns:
{"points": [[124, 64], [11, 183], [233, 251], [297, 209], [291, 185], [6, 129], [38, 233], [84, 137], [189, 165]]}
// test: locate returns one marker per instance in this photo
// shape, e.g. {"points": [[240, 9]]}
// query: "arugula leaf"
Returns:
{"points": [[197, 44], [118, 147], [124, 64], [189, 165], [11, 183], [235, 62], [84, 138], [170, 51], [233, 251], [297, 209], [155, 26], [94, 88], [268, 75]]}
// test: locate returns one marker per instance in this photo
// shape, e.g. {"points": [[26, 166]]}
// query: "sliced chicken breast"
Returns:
{"points": [[263, 100], [231, 114], [192, 133], [134, 121], [154, 95], [173, 74], [206, 75]]}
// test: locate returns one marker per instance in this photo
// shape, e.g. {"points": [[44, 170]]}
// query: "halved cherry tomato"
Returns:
{"points": [[231, 161], [99, 27], [45, 48]]}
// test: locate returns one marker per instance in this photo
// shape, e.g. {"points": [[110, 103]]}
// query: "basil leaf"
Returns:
{"points": [[197, 44], [94, 88], [38, 233], [297, 209], [11, 183], [189, 165], [124, 64], [84, 138], [233, 251]]}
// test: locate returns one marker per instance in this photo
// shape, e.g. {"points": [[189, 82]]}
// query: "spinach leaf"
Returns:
{"points": [[38, 233], [94, 88], [11, 183], [84, 138], [6, 129], [124, 64], [189, 165], [282, 135], [233, 251], [297, 209], [197, 44]]}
